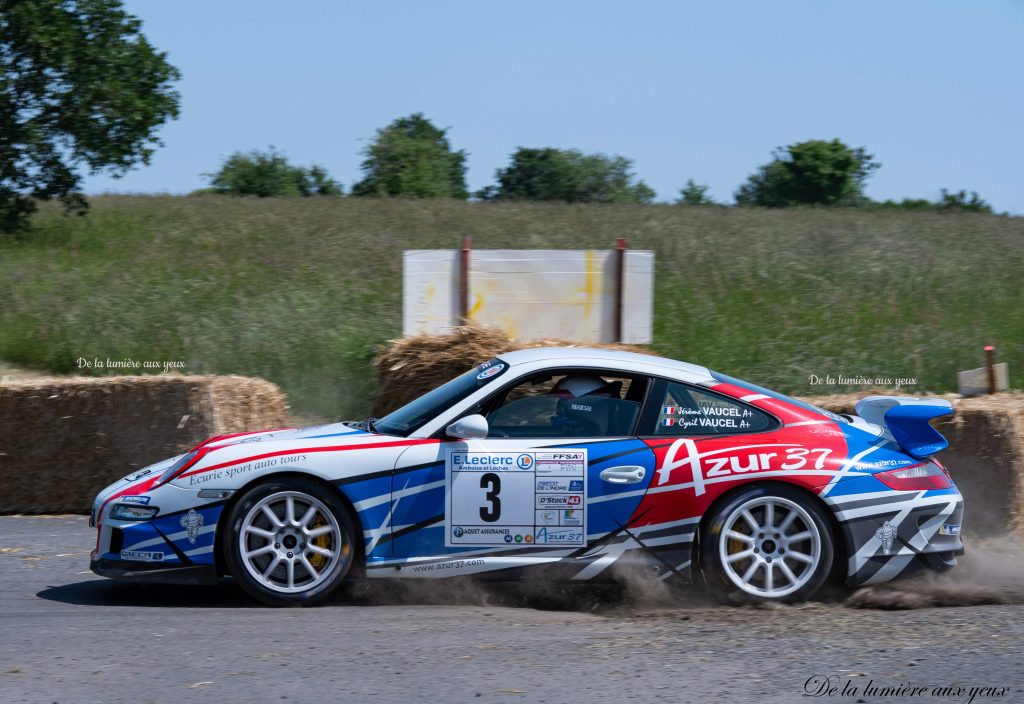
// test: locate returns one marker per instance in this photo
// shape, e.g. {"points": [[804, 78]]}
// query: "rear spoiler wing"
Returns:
{"points": [[906, 419]]}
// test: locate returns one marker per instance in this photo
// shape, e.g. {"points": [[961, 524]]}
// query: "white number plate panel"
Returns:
{"points": [[516, 497]]}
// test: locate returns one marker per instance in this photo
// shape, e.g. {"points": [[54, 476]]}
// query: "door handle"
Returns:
{"points": [[630, 474]]}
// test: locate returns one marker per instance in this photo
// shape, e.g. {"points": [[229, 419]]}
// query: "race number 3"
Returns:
{"points": [[492, 483], [509, 496]]}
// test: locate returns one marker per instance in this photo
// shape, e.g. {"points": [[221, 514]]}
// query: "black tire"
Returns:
{"points": [[287, 549], [723, 582]]}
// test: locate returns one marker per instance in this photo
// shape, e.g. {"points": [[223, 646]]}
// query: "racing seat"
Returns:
{"points": [[598, 416]]}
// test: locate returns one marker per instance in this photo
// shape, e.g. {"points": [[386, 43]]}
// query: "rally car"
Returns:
{"points": [[569, 463]]}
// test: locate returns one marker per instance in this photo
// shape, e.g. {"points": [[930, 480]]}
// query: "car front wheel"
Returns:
{"points": [[767, 543], [289, 542]]}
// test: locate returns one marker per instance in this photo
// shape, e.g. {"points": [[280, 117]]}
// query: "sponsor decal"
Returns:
{"points": [[137, 475], [558, 536], [229, 472], [192, 522], [141, 500], [141, 556], [524, 461], [581, 407], [560, 484], [949, 529], [491, 371], [457, 531], [891, 463], [451, 565], [886, 533], [508, 538], [724, 463], [559, 500]]}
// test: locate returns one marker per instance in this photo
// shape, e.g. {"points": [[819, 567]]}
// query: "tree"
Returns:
{"points": [[411, 157], [568, 175], [815, 172], [960, 201], [694, 194], [80, 87], [268, 173], [963, 202]]}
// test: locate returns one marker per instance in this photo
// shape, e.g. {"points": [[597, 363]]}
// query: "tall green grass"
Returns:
{"points": [[304, 291]]}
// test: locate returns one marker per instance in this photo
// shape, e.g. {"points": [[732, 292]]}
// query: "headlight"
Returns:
{"points": [[132, 512]]}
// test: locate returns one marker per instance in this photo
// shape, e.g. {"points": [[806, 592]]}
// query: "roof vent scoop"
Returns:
{"points": [[907, 420]]}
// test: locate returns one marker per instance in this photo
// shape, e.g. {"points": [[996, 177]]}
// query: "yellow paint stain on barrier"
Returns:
{"points": [[590, 274], [478, 303]]}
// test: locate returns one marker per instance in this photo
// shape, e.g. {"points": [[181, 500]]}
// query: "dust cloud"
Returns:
{"points": [[991, 572]]}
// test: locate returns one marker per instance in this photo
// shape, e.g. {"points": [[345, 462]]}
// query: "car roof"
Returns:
{"points": [[615, 358]]}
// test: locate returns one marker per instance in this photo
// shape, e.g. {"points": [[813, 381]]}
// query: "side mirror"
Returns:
{"points": [[469, 428]]}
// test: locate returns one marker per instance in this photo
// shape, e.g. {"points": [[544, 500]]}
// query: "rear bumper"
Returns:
{"points": [[155, 573], [891, 536]]}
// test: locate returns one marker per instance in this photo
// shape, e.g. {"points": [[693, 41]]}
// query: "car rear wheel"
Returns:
{"points": [[767, 543], [289, 542]]}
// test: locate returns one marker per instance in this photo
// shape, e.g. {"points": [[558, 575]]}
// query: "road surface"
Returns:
{"points": [[69, 636]]}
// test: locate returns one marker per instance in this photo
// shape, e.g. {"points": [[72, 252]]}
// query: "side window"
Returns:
{"points": [[690, 410], [568, 404]]}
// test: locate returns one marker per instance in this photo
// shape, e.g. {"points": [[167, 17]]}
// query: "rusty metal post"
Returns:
{"points": [[467, 246], [990, 365], [620, 275]]}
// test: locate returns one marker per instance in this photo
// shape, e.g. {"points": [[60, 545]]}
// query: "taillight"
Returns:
{"points": [[918, 477], [186, 461]]}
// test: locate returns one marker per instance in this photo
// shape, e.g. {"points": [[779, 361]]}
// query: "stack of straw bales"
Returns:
{"points": [[64, 439]]}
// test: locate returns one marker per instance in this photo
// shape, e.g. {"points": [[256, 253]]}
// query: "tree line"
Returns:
{"points": [[82, 90], [412, 158]]}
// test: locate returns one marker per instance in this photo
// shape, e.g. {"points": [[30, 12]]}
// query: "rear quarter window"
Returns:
{"points": [[688, 410]]}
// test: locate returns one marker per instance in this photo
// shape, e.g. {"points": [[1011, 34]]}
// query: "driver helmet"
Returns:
{"points": [[577, 385]]}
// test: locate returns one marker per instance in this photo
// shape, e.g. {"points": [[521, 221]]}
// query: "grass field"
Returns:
{"points": [[304, 291]]}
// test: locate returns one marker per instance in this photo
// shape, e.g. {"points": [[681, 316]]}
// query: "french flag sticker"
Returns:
{"points": [[668, 421], [668, 410]]}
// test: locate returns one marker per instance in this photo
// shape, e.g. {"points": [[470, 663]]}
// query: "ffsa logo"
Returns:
{"points": [[524, 461]]}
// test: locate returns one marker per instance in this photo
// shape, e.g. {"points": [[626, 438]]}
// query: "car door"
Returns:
{"points": [[556, 482]]}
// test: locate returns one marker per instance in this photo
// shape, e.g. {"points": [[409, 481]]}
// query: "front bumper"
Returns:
{"points": [[155, 573]]}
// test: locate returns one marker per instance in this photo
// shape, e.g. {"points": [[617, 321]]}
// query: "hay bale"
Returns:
{"points": [[64, 439], [412, 366], [985, 455]]}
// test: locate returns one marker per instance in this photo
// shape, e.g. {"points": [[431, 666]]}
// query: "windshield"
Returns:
{"points": [[414, 414], [776, 395]]}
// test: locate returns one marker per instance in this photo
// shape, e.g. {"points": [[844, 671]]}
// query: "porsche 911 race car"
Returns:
{"points": [[569, 463]]}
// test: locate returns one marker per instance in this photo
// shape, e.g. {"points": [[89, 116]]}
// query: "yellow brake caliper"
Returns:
{"points": [[735, 546], [321, 541]]}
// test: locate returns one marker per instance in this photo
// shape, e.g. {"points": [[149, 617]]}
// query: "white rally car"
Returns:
{"points": [[577, 464]]}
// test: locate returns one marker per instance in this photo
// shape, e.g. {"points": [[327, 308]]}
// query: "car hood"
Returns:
{"points": [[333, 433]]}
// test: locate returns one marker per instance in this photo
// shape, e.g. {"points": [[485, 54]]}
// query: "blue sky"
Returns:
{"points": [[686, 90]]}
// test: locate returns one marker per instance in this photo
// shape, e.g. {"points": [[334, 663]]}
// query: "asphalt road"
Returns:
{"points": [[68, 636]]}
